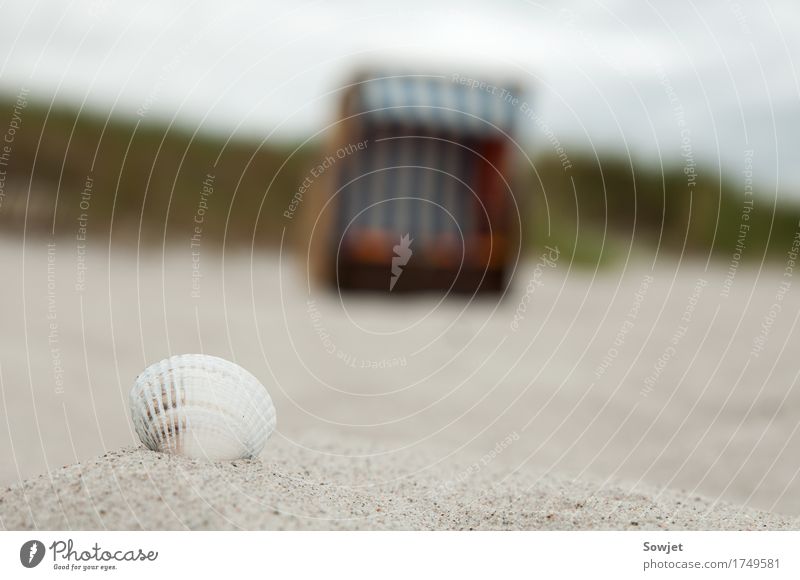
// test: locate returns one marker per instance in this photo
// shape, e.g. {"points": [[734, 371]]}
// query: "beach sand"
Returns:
{"points": [[627, 398], [135, 488]]}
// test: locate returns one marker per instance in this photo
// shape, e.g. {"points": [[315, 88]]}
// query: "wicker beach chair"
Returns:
{"points": [[417, 194]]}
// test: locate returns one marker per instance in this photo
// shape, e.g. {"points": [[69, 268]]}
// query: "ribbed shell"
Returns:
{"points": [[201, 406]]}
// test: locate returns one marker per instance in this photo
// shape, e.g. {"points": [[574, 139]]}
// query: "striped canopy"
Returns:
{"points": [[435, 101]]}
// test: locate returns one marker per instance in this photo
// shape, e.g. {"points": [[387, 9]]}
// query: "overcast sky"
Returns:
{"points": [[604, 75]]}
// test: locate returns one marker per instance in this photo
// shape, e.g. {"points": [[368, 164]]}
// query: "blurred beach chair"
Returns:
{"points": [[414, 192]]}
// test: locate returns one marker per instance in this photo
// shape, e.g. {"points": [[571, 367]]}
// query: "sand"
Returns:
{"points": [[624, 394], [135, 488]]}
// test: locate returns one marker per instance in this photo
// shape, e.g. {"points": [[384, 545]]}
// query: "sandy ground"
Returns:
{"points": [[139, 489], [661, 395]]}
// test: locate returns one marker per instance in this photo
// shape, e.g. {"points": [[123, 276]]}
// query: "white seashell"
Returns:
{"points": [[203, 407]]}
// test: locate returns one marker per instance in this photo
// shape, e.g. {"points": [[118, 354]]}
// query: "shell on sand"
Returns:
{"points": [[201, 406]]}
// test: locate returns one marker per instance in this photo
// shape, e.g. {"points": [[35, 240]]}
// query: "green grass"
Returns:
{"points": [[145, 178], [621, 207]]}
